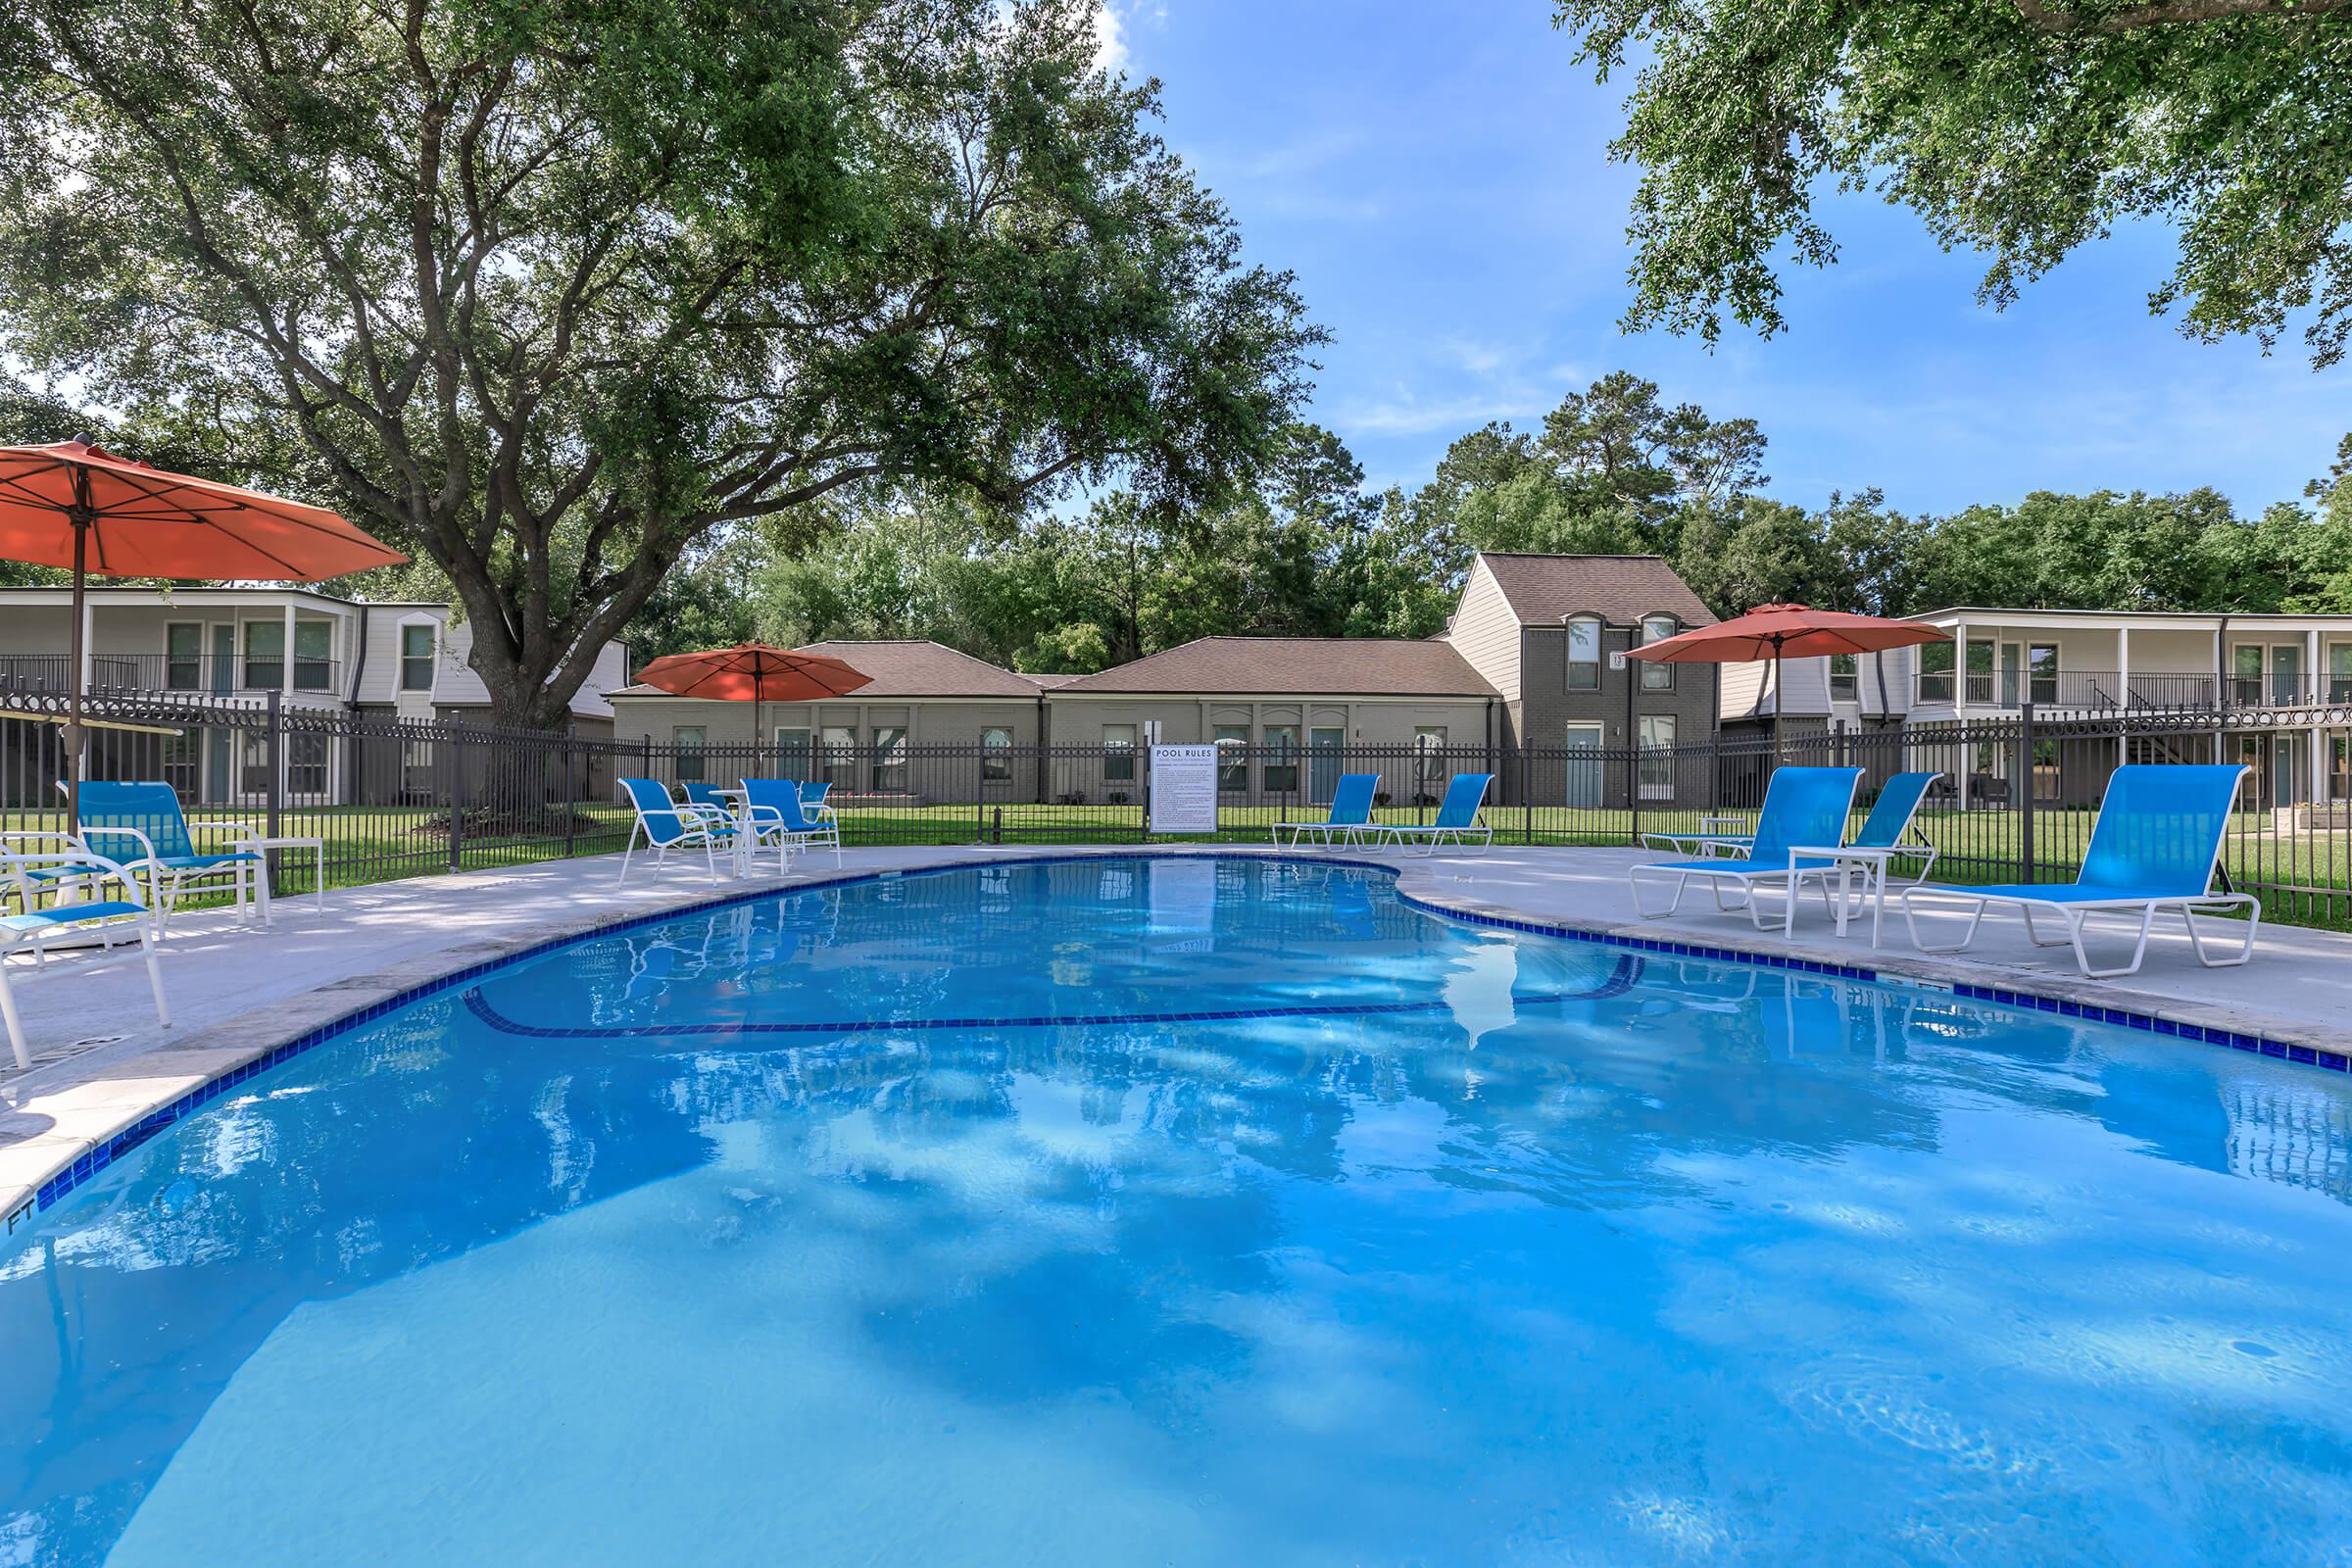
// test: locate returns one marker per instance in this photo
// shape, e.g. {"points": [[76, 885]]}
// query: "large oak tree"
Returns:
{"points": [[2022, 127], [551, 290]]}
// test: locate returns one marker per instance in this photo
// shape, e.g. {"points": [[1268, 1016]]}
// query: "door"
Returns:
{"points": [[224, 661], [2286, 674], [1583, 770], [1323, 761]]}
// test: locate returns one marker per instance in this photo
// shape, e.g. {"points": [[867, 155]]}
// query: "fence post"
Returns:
{"points": [[451, 770], [980, 794], [572, 790], [1633, 784], [1527, 799], [2025, 831], [275, 796]]}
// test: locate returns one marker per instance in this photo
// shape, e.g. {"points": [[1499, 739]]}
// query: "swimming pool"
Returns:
{"points": [[1194, 1210]]}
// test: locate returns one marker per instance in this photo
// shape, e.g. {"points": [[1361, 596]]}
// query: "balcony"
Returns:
{"points": [[2109, 691], [203, 674]]}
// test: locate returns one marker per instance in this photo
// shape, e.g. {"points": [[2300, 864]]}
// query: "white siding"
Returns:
{"points": [[1486, 633]]}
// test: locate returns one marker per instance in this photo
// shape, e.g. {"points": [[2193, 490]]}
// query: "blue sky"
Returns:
{"points": [[1437, 177]]}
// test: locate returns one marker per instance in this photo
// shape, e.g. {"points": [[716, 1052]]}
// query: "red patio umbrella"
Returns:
{"points": [[1775, 631], [754, 673], [69, 503]]}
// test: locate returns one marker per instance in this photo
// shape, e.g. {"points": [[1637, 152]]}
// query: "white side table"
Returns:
{"points": [[1845, 860], [318, 849]]}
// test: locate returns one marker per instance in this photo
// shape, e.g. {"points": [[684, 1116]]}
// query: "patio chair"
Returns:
{"points": [[2155, 846], [812, 800], [141, 827], [778, 817], [1350, 815], [111, 919], [708, 798], [1802, 805], [1457, 818], [666, 825]]}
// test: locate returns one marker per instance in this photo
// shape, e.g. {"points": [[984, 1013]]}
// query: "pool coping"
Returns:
{"points": [[112, 1123]]}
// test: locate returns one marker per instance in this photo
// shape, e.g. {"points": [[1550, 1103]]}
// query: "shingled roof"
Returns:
{"points": [[1620, 589], [909, 667], [1340, 666]]}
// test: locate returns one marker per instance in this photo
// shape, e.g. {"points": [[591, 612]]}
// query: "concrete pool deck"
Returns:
{"points": [[102, 1063]]}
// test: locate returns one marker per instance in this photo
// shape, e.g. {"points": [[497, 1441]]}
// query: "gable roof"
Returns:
{"points": [[903, 668], [1620, 589], [1364, 666]]}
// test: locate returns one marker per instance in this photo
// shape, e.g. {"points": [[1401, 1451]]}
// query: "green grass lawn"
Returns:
{"points": [[2304, 878]]}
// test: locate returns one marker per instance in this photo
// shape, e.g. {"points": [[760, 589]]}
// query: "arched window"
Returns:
{"points": [[1657, 676], [1583, 653]]}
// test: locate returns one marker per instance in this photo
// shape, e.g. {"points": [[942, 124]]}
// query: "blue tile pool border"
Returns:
{"points": [[99, 1157]]}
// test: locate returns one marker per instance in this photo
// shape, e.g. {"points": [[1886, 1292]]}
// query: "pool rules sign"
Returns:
{"points": [[1184, 788]]}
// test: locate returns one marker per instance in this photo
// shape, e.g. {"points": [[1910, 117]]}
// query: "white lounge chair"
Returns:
{"points": [[1456, 819], [141, 826], [665, 825], [1349, 819], [1802, 806], [2155, 846], [32, 879], [778, 817]]}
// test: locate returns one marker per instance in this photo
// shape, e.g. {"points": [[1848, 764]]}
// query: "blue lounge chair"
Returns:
{"points": [[111, 916], [1802, 806], [812, 800], [1457, 817], [779, 818], [1349, 817], [665, 825], [141, 827], [2156, 845], [708, 797]]}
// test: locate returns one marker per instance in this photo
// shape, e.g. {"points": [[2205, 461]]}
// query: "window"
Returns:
{"points": [[264, 654], [1935, 673], [184, 656], [1279, 773], [1656, 735], [2041, 672], [1584, 653], [1845, 677], [1657, 677], [996, 757], [2245, 671], [792, 755], [2339, 673], [689, 740], [1233, 756], [306, 765], [313, 656], [840, 761], [890, 760], [1118, 754], [417, 658]]}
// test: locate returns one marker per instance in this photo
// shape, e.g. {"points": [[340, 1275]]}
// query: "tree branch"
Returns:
{"points": [[2168, 13]]}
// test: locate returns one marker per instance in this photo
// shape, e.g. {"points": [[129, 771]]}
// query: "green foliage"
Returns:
{"points": [[2024, 128], [557, 295]]}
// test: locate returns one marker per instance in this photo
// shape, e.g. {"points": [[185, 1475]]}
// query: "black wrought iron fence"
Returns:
{"points": [[2015, 799]]}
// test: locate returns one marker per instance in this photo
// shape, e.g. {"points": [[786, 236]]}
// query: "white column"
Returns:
{"points": [[2318, 739], [1960, 706], [285, 671], [2122, 680], [89, 622]]}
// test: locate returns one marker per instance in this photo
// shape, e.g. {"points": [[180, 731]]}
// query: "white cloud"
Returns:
{"points": [[1110, 38]]}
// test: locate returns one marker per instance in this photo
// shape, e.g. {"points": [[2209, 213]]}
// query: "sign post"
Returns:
{"points": [[1184, 788]]}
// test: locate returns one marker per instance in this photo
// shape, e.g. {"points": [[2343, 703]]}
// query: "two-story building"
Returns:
{"points": [[242, 646], [1550, 632], [2281, 682]]}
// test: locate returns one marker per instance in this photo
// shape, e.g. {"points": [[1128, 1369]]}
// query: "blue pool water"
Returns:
{"points": [[931, 1221]]}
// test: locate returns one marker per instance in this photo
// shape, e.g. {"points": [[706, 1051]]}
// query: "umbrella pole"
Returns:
{"points": [[71, 736], [1779, 702]]}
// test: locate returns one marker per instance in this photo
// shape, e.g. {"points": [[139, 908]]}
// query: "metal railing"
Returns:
{"points": [[2105, 691], [203, 674], [390, 799]]}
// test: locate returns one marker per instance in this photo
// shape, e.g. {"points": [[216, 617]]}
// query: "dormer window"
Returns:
{"points": [[1583, 653]]}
